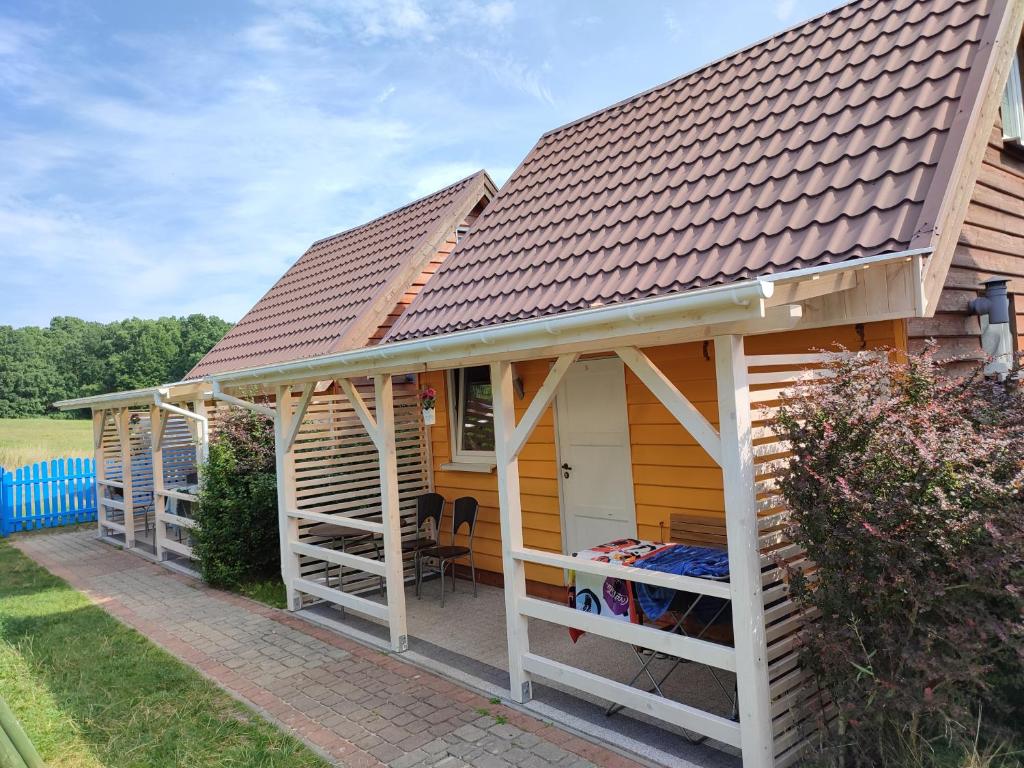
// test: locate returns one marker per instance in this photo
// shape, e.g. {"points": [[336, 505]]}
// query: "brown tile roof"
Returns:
{"points": [[341, 289], [817, 145]]}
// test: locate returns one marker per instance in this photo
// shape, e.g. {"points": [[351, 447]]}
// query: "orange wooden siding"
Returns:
{"points": [[670, 471]]}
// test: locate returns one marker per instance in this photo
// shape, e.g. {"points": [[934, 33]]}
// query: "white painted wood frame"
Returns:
{"points": [[394, 579], [753, 691], [157, 421], [124, 435], [380, 427], [99, 424], [668, 394], [511, 518], [288, 526]]}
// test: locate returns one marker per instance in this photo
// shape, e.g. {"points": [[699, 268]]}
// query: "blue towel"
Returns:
{"points": [[682, 560]]}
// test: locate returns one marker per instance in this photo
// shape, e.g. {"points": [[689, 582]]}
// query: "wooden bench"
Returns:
{"points": [[697, 531]]}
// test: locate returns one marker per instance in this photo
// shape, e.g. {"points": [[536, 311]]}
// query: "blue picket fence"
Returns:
{"points": [[47, 495]]}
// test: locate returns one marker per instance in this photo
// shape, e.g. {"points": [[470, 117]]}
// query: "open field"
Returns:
{"points": [[25, 441], [92, 693]]}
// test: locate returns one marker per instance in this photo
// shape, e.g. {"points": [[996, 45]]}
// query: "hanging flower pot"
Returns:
{"points": [[428, 401]]}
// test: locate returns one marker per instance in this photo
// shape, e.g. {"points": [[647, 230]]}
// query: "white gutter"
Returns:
{"points": [[661, 313], [218, 394], [844, 266], [129, 397]]}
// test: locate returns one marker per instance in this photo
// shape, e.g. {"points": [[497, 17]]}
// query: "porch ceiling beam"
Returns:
{"points": [[674, 400], [299, 415], [818, 285], [540, 403], [359, 406]]}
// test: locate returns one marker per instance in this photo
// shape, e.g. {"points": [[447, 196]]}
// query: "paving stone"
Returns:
{"points": [[365, 709]]}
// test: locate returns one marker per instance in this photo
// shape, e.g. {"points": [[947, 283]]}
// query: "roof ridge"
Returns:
{"points": [[401, 208], [706, 66]]}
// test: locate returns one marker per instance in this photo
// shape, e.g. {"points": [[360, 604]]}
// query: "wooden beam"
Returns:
{"points": [[674, 400], [391, 512], [300, 412], [753, 693], [942, 216], [540, 403], [359, 406], [202, 433], [287, 526], [810, 288], [156, 423], [338, 557], [124, 433], [510, 513], [99, 423], [719, 728]]}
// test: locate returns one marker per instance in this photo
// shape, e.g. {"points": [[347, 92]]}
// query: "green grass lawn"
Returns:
{"points": [[25, 441], [269, 591], [91, 692]]}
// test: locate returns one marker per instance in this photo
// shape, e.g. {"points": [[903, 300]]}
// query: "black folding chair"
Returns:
{"points": [[429, 508], [464, 512]]}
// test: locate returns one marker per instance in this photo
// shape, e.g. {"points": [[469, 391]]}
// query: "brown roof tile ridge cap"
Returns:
{"points": [[928, 227], [477, 186], [399, 209], [708, 65], [200, 364], [481, 221]]}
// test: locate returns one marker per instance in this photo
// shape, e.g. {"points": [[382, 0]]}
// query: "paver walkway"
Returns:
{"points": [[354, 704]]}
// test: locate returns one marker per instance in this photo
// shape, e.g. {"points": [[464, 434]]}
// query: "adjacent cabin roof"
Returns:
{"points": [[342, 289], [821, 144]]}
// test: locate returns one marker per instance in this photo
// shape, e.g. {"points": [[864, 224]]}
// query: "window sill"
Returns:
{"points": [[467, 466]]}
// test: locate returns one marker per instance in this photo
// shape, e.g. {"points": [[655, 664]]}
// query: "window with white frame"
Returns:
{"points": [[1013, 105], [471, 404]]}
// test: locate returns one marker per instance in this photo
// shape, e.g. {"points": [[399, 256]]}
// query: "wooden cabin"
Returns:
{"points": [[610, 338]]}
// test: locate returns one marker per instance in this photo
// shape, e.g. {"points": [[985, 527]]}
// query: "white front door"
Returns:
{"points": [[595, 471]]}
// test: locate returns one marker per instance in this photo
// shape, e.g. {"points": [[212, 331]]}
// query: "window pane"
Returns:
{"points": [[477, 410]]}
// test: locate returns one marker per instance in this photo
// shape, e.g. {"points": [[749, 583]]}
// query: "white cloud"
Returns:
{"points": [[784, 9]]}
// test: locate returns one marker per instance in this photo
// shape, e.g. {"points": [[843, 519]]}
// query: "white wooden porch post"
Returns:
{"points": [[156, 425], [202, 433], [383, 388], [288, 527], [744, 555], [511, 515], [99, 423], [125, 435]]}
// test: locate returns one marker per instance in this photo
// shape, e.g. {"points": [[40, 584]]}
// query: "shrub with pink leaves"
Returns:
{"points": [[907, 493]]}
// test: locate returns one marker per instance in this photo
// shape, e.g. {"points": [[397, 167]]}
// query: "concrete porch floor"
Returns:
{"points": [[467, 640]]}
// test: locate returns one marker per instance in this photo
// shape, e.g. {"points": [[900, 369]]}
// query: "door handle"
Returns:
{"points": [[566, 469]]}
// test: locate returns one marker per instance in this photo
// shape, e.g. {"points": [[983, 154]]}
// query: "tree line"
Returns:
{"points": [[76, 358]]}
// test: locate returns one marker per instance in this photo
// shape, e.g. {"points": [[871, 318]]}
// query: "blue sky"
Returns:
{"points": [[177, 157]]}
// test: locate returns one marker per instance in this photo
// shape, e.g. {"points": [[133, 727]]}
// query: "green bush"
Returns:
{"points": [[236, 539], [906, 492]]}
